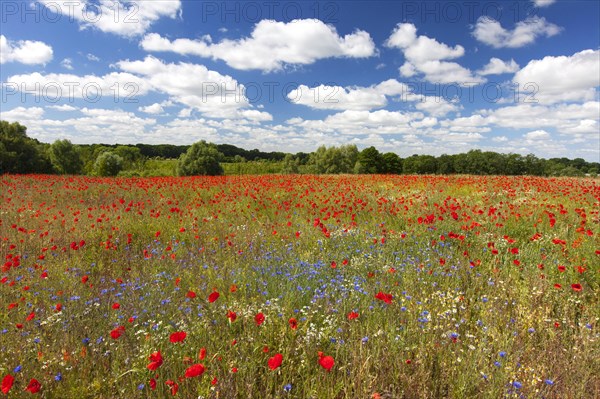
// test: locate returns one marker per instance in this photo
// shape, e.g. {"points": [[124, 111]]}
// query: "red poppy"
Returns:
{"points": [[31, 316], [117, 332], [191, 294], [174, 386], [293, 323], [202, 353], [116, 305], [58, 307], [326, 362], [213, 296], [352, 315], [275, 361], [194, 371], [178, 336], [156, 360], [34, 386], [231, 316], [84, 279], [7, 383], [387, 298], [576, 287], [214, 381], [259, 318], [152, 384], [557, 286], [233, 288]]}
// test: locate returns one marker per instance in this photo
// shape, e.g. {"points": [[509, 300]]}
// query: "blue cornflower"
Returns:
{"points": [[549, 382], [287, 387], [58, 377], [502, 354], [517, 384], [17, 369]]}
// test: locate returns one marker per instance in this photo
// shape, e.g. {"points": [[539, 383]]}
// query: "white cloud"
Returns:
{"points": [[24, 51], [489, 31], [55, 87], [349, 98], [426, 55], [497, 67], [67, 63], [272, 45], [62, 108], [437, 106], [563, 78], [92, 57], [153, 109], [20, 114], [120, 17], [543, 3], [192, 85], [537, 135]]}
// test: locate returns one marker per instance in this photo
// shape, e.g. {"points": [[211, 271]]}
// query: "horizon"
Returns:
{"points": [[426, 78]]}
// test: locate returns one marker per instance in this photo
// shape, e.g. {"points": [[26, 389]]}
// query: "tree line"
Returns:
{"points": [[22, 154]]}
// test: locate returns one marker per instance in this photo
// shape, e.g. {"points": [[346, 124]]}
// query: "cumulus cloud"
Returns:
{"points": [[427, 56], [543, 3], [54, 87], [497, 67], [563, 78], [24, 51], [120, 17], [489, 31], [272, 45]]}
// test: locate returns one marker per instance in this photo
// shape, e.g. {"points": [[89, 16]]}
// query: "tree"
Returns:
{"points": [[19, 153], [370, 161], [132, 156], [108, 164], [333, 160], [290, 165], [65, 157], [392, 163], [201, 158]]}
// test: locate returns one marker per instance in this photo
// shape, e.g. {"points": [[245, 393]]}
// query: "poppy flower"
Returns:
{"points": [[387, 298], [191, 294], [116, 306], [194, 371], [34, 386], [117, 332], [202, 353], [84, 279], [156, 360], [275, 361], [213, 296], [178, 336], [259, 318], [7, 383], [352, 315], [152, 384], [293, 323], [231, 316], [326, 362], [576, 287], [174, 386], [31, 316], [58, 307]]}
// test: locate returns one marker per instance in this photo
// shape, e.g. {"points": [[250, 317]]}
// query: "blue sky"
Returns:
{"points": [[409, 77]]}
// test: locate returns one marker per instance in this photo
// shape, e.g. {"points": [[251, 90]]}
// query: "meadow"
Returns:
{"points": [[299, 287]]}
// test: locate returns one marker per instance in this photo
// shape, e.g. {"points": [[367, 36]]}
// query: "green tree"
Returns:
{"points": [[65, 157], [132, 156], [201, 158], [333, 160], [392, 163], [108, 164], [19, 153], [370, 161], [290, 165]]}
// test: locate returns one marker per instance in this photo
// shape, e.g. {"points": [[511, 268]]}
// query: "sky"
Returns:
{"points": [[410, 77]]}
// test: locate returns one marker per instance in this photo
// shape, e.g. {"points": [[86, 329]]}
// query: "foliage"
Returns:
{"points": [[333, 160], [108, 164], [201, 159], [19, 153], [65, 157]]}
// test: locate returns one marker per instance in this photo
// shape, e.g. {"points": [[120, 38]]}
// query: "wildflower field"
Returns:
{"points": [[299, 287]]}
